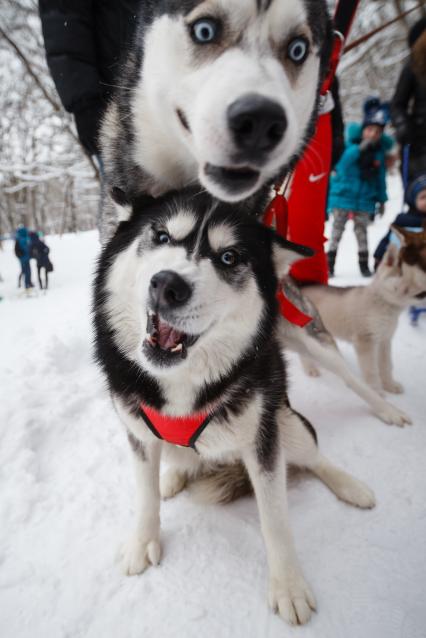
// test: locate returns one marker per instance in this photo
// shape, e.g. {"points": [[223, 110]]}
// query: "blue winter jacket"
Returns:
{"points": [[22, 244], [347, 189]]}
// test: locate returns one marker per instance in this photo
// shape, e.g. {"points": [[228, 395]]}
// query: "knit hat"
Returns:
{"points": [[375, 112], [416, 31], [414, 188]]}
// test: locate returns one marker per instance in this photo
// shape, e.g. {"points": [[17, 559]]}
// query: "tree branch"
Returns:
{"points": [[54, 103]]}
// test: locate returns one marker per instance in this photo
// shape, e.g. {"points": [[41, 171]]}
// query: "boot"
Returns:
{"points": [[363, 264], [331, 259]]}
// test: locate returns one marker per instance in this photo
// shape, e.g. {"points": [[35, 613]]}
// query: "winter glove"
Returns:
{"points": [[87, 121], [368, 163]]}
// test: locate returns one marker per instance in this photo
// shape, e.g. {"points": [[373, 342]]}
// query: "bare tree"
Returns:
{"points": [[41, 158]]}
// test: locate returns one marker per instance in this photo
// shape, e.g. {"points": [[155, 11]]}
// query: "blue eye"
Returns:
{"points": [[205, 31], [162, 237], [297, 50], [229, 258]]}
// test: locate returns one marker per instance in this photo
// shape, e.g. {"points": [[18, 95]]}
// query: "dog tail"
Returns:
{"points": [[223, 484]]}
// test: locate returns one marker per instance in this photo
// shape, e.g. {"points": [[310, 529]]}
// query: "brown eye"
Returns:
{"points": [[229, 258]]}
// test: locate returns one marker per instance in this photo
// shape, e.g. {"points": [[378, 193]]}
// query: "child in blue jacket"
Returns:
{"points": [[359, 182], [414, 219], [22, 251]]}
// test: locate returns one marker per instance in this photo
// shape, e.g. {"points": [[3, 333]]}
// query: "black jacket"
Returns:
{"points": [[85, 41], [408, 110]]}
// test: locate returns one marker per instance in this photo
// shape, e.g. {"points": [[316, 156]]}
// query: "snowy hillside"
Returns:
{"points": [[66, 493]]}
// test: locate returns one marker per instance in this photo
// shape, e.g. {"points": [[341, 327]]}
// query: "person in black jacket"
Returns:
{"points": [[408, 108], [413, 219], [85, 41], [40, 252]]}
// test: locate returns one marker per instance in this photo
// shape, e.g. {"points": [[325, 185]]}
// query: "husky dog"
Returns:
{"points": [[226, 94], [221, 93], [367, 316], [185, 315], [316, 346]]}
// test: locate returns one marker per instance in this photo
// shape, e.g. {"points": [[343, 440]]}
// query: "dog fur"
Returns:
{"points": [[367, 316], [147, 147], [168, 122], [317, 347], [230, 265]]}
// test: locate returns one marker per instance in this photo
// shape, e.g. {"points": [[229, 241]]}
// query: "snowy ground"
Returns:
{"points": [[67, 490]]}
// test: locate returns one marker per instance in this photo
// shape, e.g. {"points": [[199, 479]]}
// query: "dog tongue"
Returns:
{"points": [[167, 337]]}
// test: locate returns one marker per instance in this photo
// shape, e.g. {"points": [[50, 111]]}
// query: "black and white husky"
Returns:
{"points": [[225, 94], [185, 317]]}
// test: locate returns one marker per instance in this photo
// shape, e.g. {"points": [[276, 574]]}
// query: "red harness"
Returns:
{"points": [[182, 430]]}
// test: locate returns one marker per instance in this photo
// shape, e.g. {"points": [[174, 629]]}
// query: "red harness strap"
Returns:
{"points": [[183, 431]]}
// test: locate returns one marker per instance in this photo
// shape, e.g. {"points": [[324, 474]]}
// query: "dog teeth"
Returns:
{"points": [[177, 348]]}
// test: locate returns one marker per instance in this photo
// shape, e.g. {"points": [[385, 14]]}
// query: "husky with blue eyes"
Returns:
{"points": [[220, 92], [185, 316], [224, 94]]}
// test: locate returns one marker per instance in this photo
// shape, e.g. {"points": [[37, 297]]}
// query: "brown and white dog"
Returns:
{"points": [[367, 316]]}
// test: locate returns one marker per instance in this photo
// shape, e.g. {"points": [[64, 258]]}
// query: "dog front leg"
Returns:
{"points": [[143, 548], [385, 367], [368, 357], [289, 594]]}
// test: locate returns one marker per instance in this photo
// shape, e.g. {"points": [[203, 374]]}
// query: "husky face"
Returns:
{"points": [[193, 279], [232, 86]]}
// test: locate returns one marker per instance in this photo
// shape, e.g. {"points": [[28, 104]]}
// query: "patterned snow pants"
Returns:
{"points": [[361, 222]]}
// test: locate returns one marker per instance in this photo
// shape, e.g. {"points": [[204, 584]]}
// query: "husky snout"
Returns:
{"points": [[168, 290], [257, 125]]}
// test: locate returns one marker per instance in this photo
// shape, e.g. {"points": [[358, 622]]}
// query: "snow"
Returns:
{"points": [[67, 493]]}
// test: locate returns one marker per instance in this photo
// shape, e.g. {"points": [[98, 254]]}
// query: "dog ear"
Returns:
{"points": [[122, 203], [391, 256], [126, 207], [285, 253]]}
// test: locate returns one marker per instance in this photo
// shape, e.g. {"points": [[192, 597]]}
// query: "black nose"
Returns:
{"points": [[257, 123], [168, 290]]}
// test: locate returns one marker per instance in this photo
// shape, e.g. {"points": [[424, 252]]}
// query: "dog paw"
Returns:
{"points": [[172, 482], [137, 554], [393, 416], [357, 493], [292, 599], [394, 387]]}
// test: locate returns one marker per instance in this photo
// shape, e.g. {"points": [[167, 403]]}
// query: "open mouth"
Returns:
{"points": [[165, 343], [234, 179], [421, 295]]}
